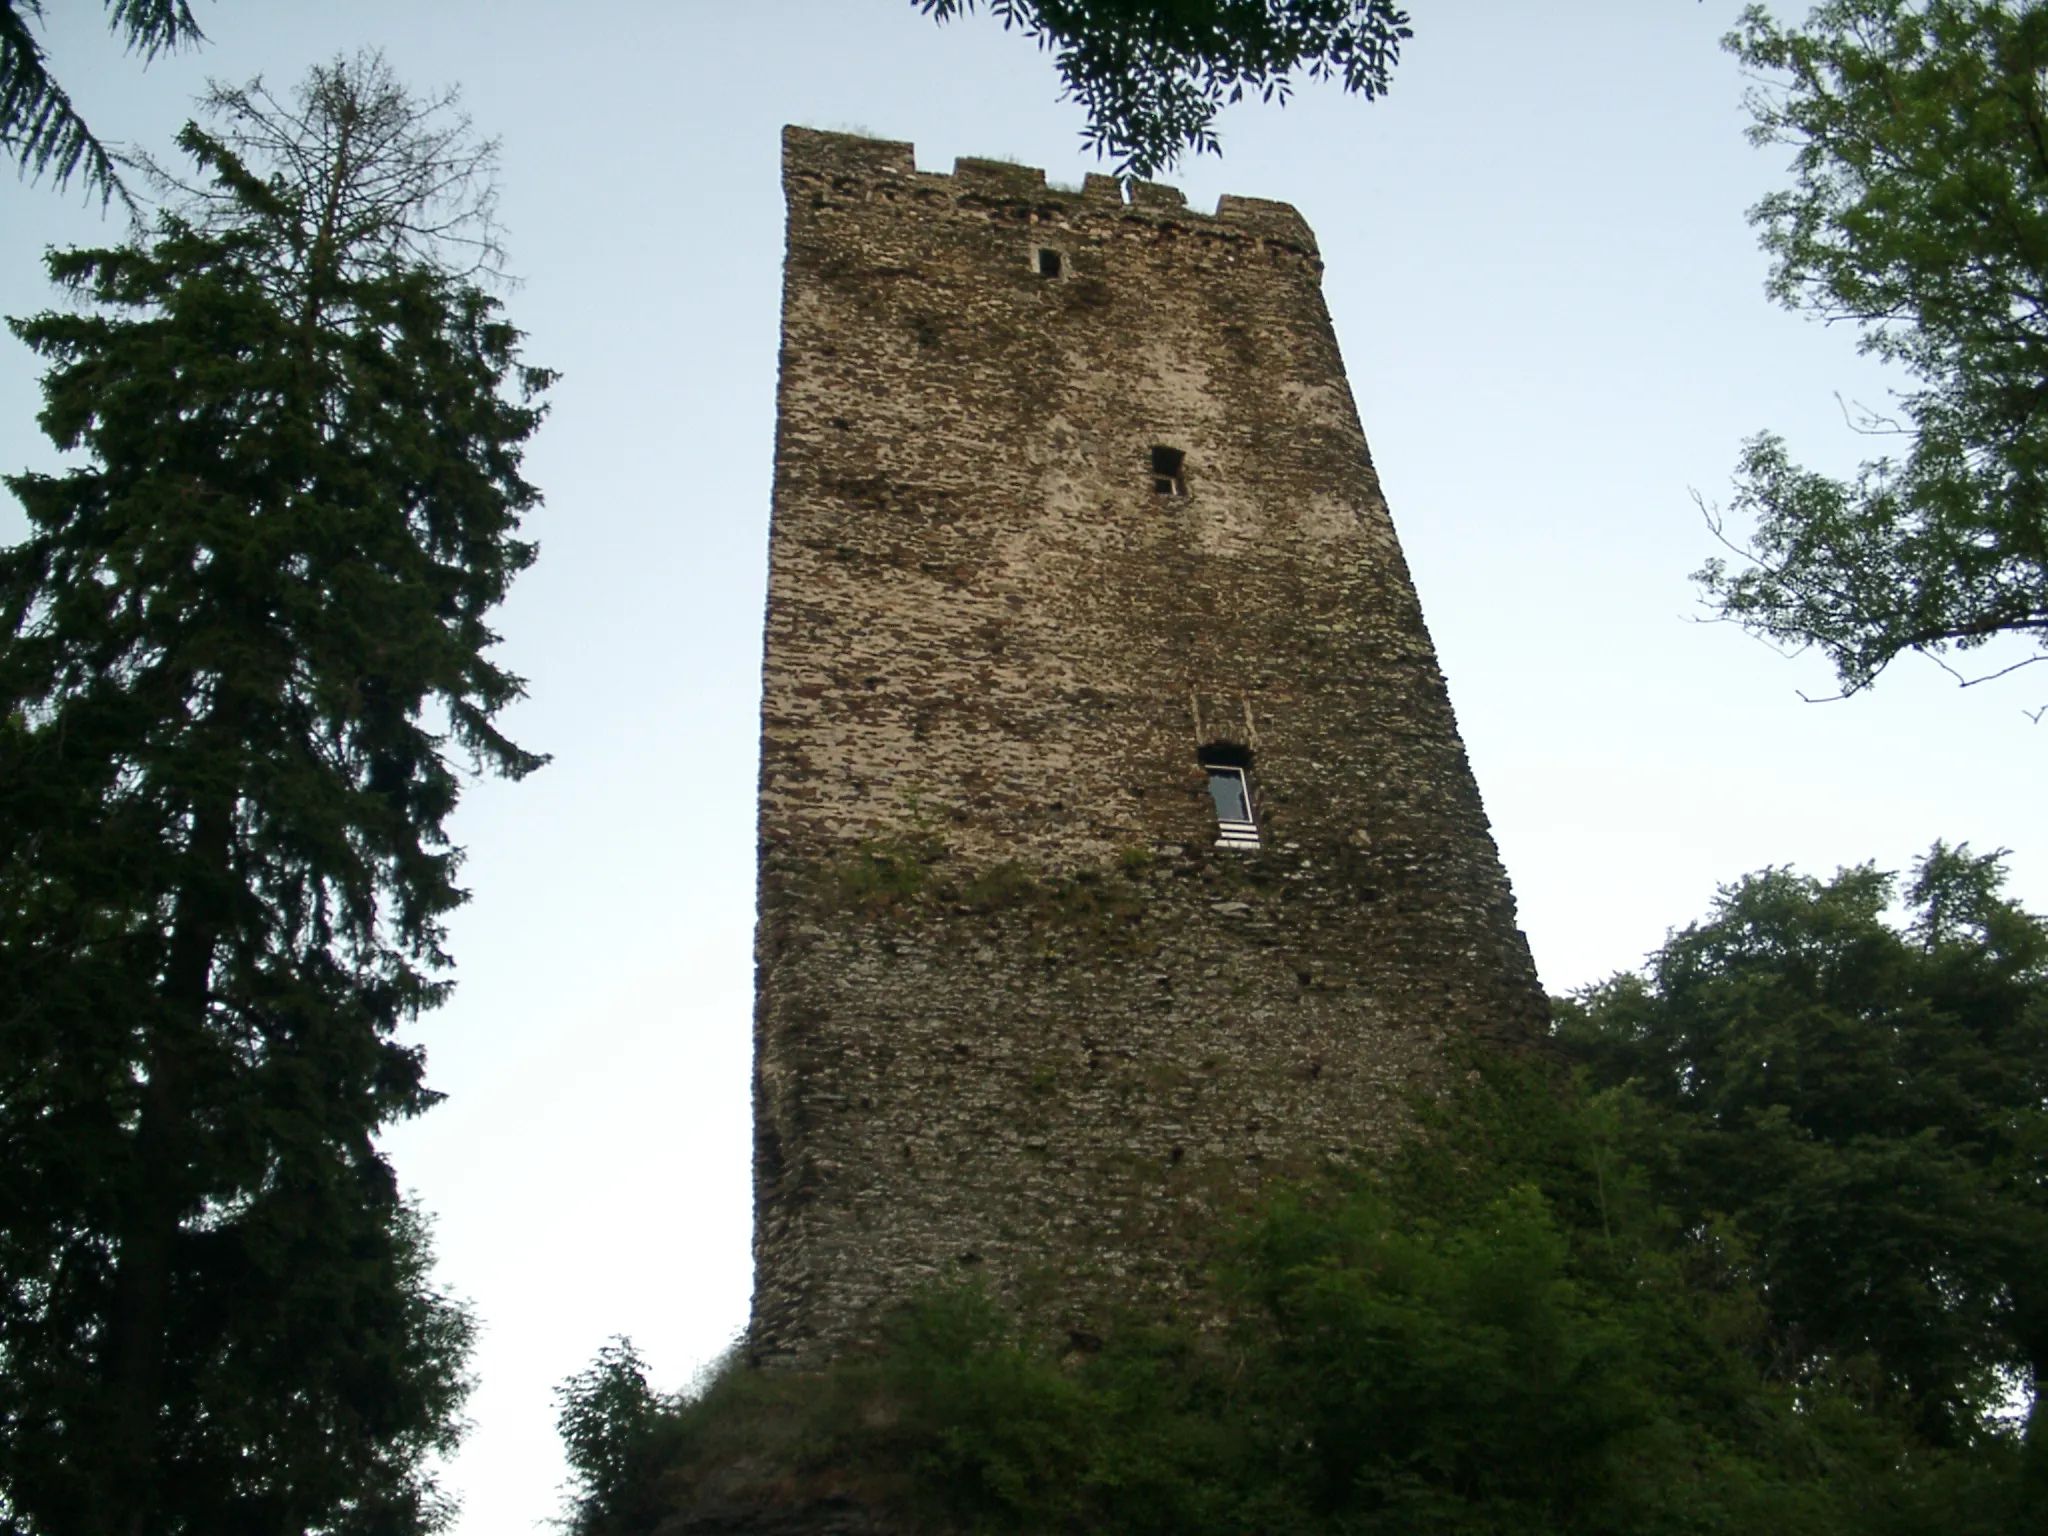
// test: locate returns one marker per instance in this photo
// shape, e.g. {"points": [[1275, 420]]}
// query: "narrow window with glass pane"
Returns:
{"points": [[1231, 791]]}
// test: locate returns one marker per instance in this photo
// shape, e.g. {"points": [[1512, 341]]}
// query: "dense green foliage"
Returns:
{"points": [[240, 649], [39, 128], [1867, 1109], [1918, 213], [1152, 74], [1759, 1262]]}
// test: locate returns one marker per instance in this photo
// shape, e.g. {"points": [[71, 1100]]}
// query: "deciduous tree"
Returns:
{"points": [[1152, 74], [242, 661], [1867, 1105], [1918, 213]]}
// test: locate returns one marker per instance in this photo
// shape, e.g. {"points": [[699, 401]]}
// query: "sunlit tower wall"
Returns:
{"points": [[1118, 852]]}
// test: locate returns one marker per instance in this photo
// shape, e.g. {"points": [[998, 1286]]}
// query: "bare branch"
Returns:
{"points": [[372, 174]]}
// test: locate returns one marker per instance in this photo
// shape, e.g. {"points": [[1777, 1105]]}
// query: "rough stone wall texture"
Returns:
{"points": [[1016, 1013]]}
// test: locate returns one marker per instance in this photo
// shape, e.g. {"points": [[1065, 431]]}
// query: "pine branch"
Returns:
{"points": [[41, 131]]}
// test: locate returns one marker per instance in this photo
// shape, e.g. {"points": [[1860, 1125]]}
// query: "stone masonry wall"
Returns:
{"points": [[1017, 1015]]}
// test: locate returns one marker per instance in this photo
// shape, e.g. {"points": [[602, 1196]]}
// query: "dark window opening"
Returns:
{"points": [[1048, 262], [1169, 477]]}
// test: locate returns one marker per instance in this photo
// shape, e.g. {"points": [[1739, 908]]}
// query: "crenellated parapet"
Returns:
{"points": [[844, 165]]}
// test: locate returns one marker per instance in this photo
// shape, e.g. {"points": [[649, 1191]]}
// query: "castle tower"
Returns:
{"points": [[1118, 850]]}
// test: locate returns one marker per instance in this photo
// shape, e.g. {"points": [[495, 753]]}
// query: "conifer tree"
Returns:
{"points": [[242, 659]]}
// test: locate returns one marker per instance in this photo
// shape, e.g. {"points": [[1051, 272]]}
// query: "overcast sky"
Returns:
{"points": [[1552, 313]]}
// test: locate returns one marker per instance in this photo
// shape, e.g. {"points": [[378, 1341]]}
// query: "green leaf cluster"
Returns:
{"points": [[1918, 213], [1864, 1108], [1152, 74]]}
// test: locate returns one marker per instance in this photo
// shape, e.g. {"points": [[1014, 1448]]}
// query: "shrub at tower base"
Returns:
{"points": [[1754, 1252]]}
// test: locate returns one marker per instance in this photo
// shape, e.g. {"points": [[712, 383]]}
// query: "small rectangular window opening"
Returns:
{"points": [[1169, 477], [1231, 792], [1048, 262]]}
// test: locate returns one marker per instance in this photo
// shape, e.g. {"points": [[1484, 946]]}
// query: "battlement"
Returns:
{"points": [[843, 161]]}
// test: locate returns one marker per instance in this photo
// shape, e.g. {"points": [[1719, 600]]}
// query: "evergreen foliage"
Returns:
{"points": [[242, 652], [39, 128], [1919, 214]]}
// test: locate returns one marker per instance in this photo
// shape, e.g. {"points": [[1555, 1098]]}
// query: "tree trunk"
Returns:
{"points": [[165, 1184]]}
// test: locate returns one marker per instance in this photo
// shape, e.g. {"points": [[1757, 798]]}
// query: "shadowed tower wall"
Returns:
{"points": [[1018, 1013]]}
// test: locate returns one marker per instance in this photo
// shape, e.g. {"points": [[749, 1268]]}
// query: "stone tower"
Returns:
{"points": [[1118, 850]]}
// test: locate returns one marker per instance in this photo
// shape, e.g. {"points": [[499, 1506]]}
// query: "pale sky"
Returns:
{"points": [[1552, 313]]}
